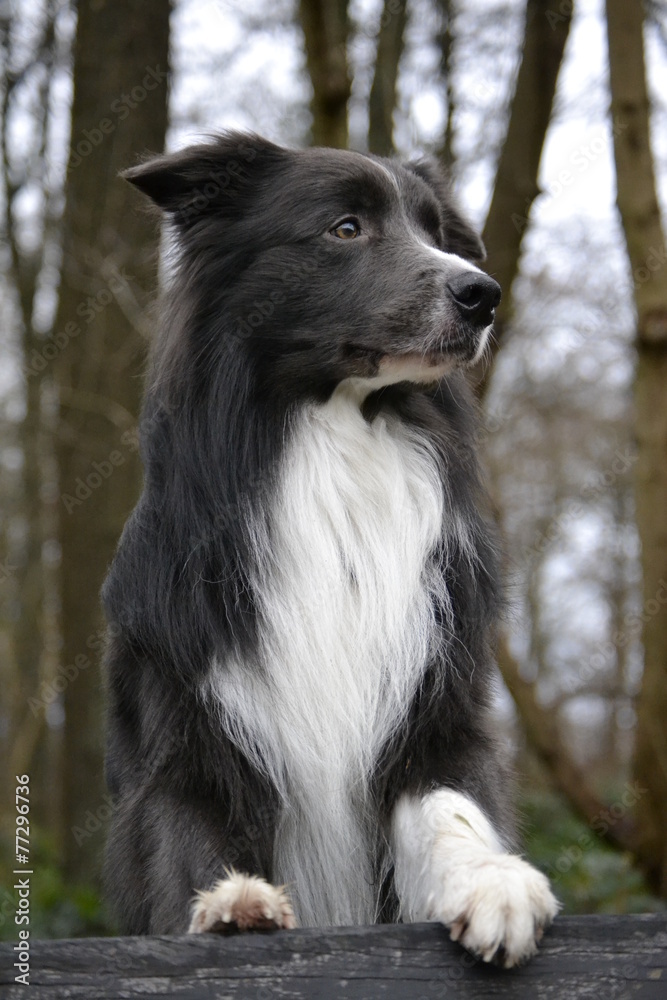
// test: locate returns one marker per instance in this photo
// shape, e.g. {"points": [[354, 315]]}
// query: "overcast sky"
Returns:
{"points": [[257, 79]]}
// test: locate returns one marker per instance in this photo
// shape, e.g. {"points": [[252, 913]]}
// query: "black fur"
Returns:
{"points": [[266, 311]]}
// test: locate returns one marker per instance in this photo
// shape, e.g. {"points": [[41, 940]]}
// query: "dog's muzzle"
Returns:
{"points": [[476, 296]]}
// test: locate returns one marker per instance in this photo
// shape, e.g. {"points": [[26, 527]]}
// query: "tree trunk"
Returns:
{"points": [[383, 91], [515, 186], [31, 747], [325, 25], [444, 40], [119, 110], [640, 216]]}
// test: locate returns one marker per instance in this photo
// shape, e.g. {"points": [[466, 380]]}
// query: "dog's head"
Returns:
{"points": [[321, 264]]}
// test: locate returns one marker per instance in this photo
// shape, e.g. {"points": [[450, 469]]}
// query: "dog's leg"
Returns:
{"points": [[451, 866], [169, 867], [241, 902]]}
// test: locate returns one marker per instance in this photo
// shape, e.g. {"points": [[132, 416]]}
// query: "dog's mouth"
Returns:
{"points": [[414, 366], [417, 366]]}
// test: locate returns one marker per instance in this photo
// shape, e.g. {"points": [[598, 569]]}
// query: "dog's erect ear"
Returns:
{"points": [[460, 237], [203, 176]]}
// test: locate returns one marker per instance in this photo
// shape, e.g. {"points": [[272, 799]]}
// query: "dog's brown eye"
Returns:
{"points": [[347, 230]]}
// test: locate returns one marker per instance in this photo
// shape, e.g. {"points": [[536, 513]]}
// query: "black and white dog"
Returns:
{"points": [[301, 605]]}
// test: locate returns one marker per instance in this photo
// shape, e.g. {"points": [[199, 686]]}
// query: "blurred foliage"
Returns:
{"points": [[58, 908], [593, 878]]}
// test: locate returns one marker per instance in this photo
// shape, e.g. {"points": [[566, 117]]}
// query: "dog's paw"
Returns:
{"points": [[497, 906], [241, 902]]}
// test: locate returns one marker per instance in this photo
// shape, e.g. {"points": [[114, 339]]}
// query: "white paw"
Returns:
{"points": [[496, 905], [241, 902]]}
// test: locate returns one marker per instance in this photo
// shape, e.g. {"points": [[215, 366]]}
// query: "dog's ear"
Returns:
{"points": [[459, 236], [205, 176]]}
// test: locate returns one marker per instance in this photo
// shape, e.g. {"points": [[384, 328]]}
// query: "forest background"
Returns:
{"points": [[551, 119]]}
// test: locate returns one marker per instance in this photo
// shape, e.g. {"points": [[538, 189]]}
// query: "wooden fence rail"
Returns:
{"points": [[592, 958]]}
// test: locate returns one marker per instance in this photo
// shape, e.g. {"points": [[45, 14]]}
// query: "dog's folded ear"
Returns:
{"points": [[205, 176], [459, 236]]}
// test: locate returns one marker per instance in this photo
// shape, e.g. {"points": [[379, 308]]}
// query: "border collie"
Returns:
{"points": [[301, 607]]}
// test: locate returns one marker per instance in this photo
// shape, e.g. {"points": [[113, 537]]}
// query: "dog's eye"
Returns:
{"points": [[348, 229]]}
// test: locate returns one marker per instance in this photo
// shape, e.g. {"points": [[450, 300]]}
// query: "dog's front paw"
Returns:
{"points": [[241, 902], [497, 906]]}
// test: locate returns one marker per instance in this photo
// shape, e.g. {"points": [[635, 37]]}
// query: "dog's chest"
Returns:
{"points": [[345, 587], [345, 590]]}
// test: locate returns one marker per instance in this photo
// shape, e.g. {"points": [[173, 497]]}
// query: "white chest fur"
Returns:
{"points": [[345, 586]]}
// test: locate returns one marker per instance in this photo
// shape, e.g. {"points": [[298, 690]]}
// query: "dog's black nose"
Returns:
{"points": [[476, 296]]}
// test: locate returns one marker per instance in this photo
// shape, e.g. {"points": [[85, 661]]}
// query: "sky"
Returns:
{"points": [[576, 170]]}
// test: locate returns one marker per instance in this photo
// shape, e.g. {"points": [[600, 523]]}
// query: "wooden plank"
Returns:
{"points": [[592, 958]]}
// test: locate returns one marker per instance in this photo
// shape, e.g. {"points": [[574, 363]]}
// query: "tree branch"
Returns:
{"points": [[540, 726], [515, 186]]}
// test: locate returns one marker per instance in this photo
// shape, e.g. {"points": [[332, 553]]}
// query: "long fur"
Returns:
{"points": [[347, 591], [302, 603]]}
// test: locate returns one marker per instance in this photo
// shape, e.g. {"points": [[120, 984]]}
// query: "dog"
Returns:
{"points": [[301, 608]]}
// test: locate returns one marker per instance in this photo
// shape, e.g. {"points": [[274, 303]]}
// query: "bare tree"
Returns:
{"points": [[515, 187], [640, 215], [445, 41], [119, 109], [29, 245]]}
